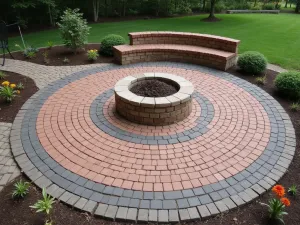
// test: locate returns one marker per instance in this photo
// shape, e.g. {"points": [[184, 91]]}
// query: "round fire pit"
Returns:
{"points": [[154, 98]]}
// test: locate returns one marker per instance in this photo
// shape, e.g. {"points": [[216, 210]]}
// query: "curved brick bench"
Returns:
{"points": [[208, 50]]}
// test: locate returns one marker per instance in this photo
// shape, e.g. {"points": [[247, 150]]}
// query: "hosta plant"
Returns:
{"points": [[277, 204], [21, 189], [45, 205], [8, 91], [92, 55]]}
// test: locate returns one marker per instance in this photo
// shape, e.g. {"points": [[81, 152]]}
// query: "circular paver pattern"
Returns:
{"points": [[237, 142]]}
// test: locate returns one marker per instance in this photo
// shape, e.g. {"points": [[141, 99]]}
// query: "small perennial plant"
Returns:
{"points": [[277, 205], [8, 91], [92, 54]]}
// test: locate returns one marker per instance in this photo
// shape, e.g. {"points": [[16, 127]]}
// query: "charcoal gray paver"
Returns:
{"points": [[173, 216], [143, 215], [111, 212], [132, 214], [193, 213], [101, 209]]}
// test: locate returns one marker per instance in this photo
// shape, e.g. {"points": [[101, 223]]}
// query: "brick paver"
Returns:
{"points": [[8, 167], [69, 139], [42, 75]]}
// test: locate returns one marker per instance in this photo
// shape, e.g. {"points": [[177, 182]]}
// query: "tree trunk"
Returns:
{"points": [[50, 15], [297, 6], [286, 3], [204, 5], [255, 2], [96, 4], [212, 9]]}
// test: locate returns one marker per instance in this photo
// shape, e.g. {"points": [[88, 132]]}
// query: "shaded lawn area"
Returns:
{"points": [[276, 36]]}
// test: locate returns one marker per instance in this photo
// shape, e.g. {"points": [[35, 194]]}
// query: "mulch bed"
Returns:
{"points": [[8, 111], [57, 54], [18, 212], [153, 88]]}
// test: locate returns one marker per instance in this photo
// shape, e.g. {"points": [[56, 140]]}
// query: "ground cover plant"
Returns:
{"points": [[275, 35]]}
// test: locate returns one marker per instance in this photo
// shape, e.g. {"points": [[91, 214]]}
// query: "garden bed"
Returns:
{"points": [[57, 54], [8, 111], [18, 212]]}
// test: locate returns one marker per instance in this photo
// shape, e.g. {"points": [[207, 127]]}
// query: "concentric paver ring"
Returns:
{"points": [[162, 206]]}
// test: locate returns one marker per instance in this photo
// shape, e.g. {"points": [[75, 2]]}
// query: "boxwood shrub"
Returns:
{"points": [[252, 62], [108, 42], [288, 84]]}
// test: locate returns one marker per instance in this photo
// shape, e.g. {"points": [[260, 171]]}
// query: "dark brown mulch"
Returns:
{"points": [[19, 213], [8, 111], [57, 54], [153, 88]]}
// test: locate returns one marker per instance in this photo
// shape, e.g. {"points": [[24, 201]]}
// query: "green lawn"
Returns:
{"points": [[276, 36]]}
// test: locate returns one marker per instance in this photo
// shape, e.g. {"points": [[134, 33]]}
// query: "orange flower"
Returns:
{"points": [[279, 190], [285, 201]]}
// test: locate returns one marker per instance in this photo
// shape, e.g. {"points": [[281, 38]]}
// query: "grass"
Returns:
{"points": [[276, 36]]}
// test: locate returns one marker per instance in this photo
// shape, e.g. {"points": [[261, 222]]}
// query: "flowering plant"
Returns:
{"points": [[92, 54], [277, 205], [8, 91]]}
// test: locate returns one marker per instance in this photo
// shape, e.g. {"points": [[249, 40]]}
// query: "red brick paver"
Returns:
{"points": [[237, 135]]}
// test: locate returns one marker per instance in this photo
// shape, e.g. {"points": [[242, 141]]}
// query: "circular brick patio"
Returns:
{"points": [[236, 143]]}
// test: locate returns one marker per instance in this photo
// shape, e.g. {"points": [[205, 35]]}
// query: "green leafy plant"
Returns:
{"points": [[8, 91], [21, 189], [50, 44], [295, 107], [92, 54], [20, 86], [277, 205], [108, 42], [268, 6], [288, 84], [29, 52], [293, 189], [66, 60], [2, 75], [260, 80], [73, 29], [45, 205], [46, 59], [257, 7], [252, 62]]}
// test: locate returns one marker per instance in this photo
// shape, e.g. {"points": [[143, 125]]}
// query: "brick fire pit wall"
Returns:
{"points": [[154, 111]]}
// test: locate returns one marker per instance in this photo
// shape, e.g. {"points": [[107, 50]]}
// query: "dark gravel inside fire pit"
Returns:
{"points": [[154, 88]]}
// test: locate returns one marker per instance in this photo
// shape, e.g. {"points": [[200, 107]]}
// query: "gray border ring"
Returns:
{"points": [[97, 116], [172, 206]]}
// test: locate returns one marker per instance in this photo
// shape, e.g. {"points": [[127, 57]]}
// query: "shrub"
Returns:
{"points": [[252, 62], [108, 42], [288, 84], [268, 6], [21, 189], [239, 5], [278, 6], [73, 29], [92, 55], [257, 7], [219, 7], [184, 9]]}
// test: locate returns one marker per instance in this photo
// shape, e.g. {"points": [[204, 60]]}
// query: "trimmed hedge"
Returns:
{"points": [[252, 62], [108, 42], [288, 84]]}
